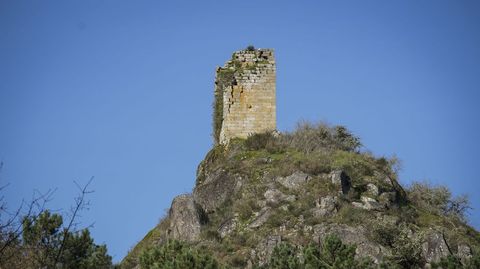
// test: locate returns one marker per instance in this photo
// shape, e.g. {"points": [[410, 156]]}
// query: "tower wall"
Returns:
{"points": [[245, 95]]}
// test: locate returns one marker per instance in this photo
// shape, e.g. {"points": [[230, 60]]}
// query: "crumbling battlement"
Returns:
{"points": [[245, 95]]}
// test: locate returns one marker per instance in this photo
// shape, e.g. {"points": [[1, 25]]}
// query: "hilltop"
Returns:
{"points": [[282, 200]]}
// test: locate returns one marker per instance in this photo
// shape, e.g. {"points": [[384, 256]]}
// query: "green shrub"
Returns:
{"points": [[407, 249], [245, 208], [331, 254], [453, 262], [449, 262], [277, 218], [407, 213], [239, 239], [176, 255], [284, 256], [345, 140], [315, 164], [50, 245], [433, 198], [335, 254], [352, 215], [238, 260], [438, 200], [384, 233], [266, 140], [211, 234], [308, 137], [357, 166], [473, 262], [286, 167]]}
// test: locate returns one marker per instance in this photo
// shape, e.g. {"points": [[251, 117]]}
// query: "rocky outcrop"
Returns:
{"points": [[435, 247], [227, 227], [325, 207], [387, 198], [342, 180], [464, 252], [368, 203], [351, 235], [261, 217], [372, 190], [185, 219], [294, 181], [274, 196], [261, 254], [216, 189]]}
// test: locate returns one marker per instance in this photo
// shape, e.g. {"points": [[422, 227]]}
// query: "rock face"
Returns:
{"points": [[294, 181], [368, 203], [274, 196], [261, 218], [185, 219], [435, 247], [216, 189], [387, 198], [326, 207], [264, 250], [372, 189], [351, 235], [464, 252], [227, 227], [342, 180]]}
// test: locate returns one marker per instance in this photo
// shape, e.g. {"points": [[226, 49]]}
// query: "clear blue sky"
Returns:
{"points": [[122, 90]]}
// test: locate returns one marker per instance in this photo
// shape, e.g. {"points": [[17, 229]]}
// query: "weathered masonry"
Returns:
{"points": [[245, 95]]}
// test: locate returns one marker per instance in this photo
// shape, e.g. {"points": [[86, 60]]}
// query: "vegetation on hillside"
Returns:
{"points": [[401, 224], [332, 253], [177, 255]]}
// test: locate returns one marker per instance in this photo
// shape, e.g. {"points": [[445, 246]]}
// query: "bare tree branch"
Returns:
{"points": [[80, 204], [13, 226]]}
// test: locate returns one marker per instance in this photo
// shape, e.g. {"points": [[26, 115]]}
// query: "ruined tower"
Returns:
{"points": [[245, 95]]}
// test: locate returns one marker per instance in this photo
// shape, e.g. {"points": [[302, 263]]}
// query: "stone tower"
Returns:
{"points": [[245, 95]]}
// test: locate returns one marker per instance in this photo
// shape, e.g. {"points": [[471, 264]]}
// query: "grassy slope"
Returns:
{"points": [[260, 159]]}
